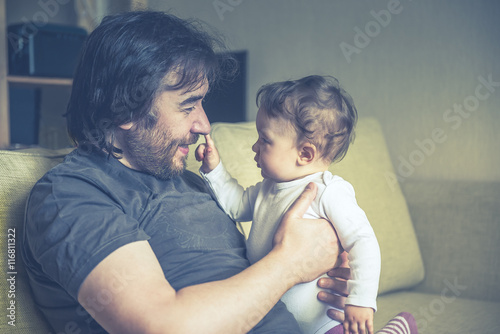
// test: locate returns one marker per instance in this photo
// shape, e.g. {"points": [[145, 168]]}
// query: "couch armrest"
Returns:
{"points": [[19, 170], [458, 228]]}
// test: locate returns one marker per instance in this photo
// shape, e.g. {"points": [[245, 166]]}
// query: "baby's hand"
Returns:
{"points": [[208, 154], [358, 320]]}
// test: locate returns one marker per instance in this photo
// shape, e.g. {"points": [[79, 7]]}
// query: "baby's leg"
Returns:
{"points": [[339, 329], [403, 323]]}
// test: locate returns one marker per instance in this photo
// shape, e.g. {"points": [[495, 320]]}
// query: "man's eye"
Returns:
{"points": [[188, 110]]}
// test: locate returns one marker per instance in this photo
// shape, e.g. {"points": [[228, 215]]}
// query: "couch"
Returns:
{"points": [[439, 239]]}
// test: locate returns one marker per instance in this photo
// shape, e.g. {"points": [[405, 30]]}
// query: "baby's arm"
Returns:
{"points": [[208, 154], [236, 201], [358, 239]]}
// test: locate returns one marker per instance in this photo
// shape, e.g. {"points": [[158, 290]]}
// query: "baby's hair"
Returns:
{"points": [[318, 109]]}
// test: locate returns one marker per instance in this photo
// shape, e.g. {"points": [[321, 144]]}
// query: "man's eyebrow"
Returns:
{"points": [[191, 99]]}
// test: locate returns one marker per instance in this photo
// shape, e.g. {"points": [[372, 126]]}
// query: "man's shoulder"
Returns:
{"points": [[82, 163], [77, 171]]}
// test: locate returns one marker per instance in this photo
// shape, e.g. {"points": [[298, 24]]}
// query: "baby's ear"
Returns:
{"points": [[307, 154]]}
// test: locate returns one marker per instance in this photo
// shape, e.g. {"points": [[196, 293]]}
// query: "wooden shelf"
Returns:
{"points": [[27, 81], [38, 81]]}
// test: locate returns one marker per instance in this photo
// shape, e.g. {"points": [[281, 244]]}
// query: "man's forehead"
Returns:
{"points": [[173, 78]]}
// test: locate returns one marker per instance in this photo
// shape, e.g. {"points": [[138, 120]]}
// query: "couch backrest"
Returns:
{"points": [[366, 166], [19, 170]]}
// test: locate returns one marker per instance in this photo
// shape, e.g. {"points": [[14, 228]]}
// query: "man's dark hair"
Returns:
{"points": [[122, 66]]}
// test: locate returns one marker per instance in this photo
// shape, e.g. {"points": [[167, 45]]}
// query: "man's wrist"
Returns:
{"points": [[282, 265]]}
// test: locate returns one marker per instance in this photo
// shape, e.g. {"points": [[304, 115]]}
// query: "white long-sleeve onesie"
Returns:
{"points": [[265, 203]]}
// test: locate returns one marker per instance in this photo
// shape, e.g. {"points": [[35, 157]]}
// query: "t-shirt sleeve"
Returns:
{"points": [[72, 224]]}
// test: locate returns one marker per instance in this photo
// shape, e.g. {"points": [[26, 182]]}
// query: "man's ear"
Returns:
{"points": [[307, 153], [126, 126]]}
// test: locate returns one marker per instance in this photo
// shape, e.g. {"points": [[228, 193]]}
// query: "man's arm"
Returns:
{"points": [[148, 304]]}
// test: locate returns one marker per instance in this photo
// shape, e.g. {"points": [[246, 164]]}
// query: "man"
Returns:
{"points": [[120, 238]]}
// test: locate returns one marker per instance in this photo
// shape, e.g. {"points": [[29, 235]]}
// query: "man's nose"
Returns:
{"points": [[201, 125]]}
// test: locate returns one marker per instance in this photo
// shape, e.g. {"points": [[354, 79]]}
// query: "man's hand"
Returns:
{"points": [[337, 291], [208, 154], [310, 244], [358, 320]]}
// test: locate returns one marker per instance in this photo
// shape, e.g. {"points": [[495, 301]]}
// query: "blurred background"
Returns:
{"points": [[427, 70]]}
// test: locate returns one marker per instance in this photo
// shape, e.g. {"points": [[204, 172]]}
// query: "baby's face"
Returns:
{"points": [[276, 152]]}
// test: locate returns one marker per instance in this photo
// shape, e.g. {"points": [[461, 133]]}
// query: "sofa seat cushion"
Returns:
{"points": [[366, 167], [441, 314]]}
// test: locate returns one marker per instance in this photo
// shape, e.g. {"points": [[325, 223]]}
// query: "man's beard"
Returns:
{"points": [[153, 151]]}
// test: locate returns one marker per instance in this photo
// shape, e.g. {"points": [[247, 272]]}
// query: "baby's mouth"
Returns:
{"points": [[257, 161]]}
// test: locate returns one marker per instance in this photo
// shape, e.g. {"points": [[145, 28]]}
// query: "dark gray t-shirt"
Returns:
{"points": [[88, 206]]}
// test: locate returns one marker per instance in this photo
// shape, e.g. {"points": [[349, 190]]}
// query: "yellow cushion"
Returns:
{"points": [[19, 170], [366, 165]]}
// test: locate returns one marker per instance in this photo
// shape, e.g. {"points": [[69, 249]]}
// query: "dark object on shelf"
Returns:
{"points": [[227, 102], [46, 50], [24, 115]]}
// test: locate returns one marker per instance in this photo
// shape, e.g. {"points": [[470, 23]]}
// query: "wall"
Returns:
{"points": [[420, 71], [84, 13]]}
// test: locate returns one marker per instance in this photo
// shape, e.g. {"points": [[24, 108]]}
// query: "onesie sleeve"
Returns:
{"points": [[71, 226], [338, 203], [236, 201]]}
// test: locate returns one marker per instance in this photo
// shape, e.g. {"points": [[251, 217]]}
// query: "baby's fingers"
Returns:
{"points": [[209, 141], [369, 327], [208, 154], [353, 328], [361, 328], [357, 327], [200, 152], [350, 327]]}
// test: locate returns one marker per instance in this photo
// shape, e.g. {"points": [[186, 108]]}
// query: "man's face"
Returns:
{"points": [[162, 150]]}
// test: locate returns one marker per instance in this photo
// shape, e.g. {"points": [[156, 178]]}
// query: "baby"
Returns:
{"points": [[304, 126]]}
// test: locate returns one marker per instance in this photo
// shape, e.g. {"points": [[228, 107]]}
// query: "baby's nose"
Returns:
{"points": [[254, 147]]}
